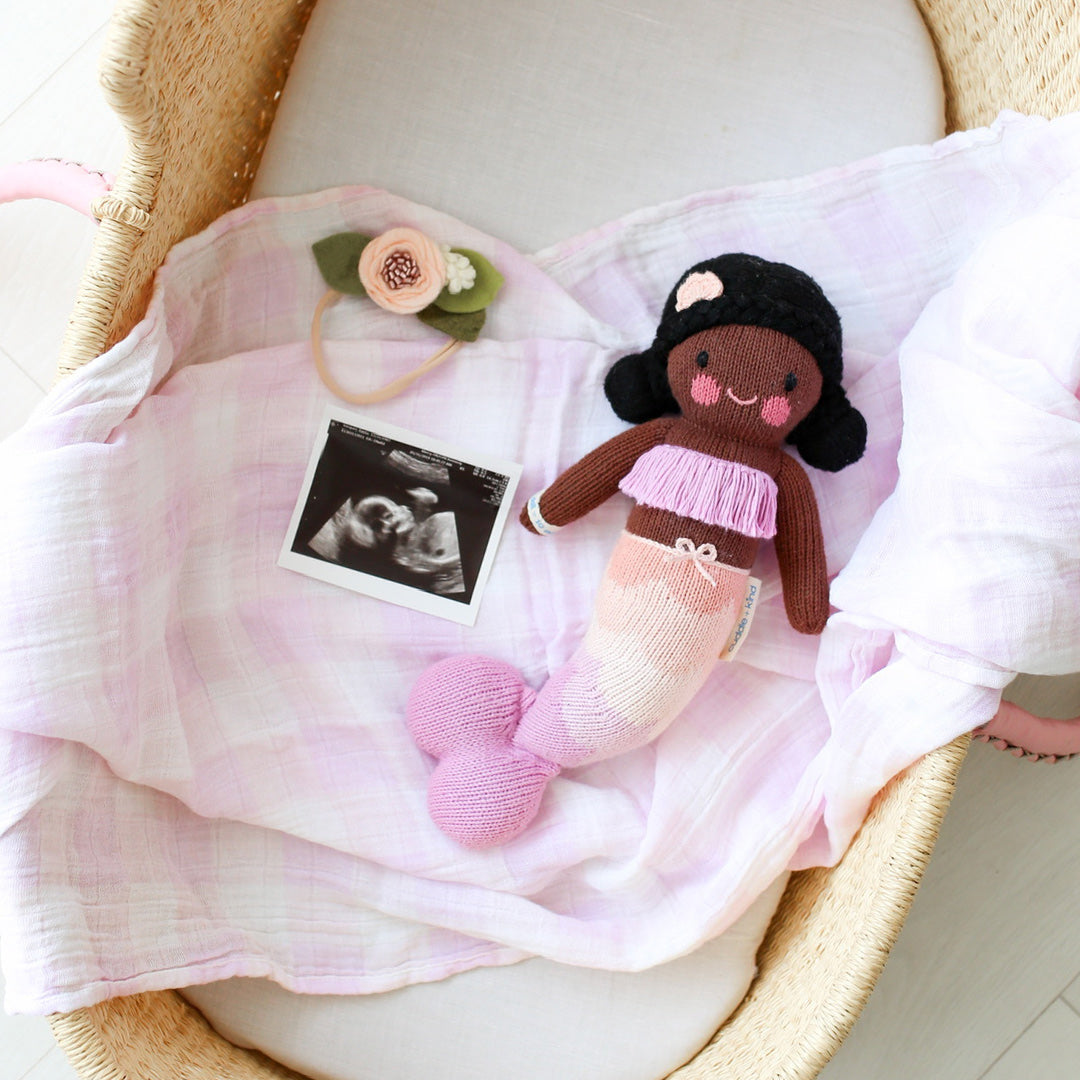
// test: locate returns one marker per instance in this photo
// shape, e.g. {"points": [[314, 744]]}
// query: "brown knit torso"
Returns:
{"points": [[664, 526], [755, 361]]}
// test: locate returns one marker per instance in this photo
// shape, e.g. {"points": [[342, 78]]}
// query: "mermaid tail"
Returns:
{"points": [[464, 712], [661, 618]]}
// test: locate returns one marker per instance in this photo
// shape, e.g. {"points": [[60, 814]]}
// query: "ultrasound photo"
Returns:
{"points": [[400, 517]]}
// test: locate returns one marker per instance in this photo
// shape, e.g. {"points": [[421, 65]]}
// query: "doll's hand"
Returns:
{"points": [[525, 520], [807, 612], [532, 517]]}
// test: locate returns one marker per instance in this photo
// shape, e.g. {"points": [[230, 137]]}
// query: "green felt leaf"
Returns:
{"points": [[338, 257], [488, 282], [462, 326]]}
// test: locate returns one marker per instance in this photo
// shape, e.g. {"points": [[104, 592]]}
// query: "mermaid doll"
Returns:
{"points": [[747, 354]]}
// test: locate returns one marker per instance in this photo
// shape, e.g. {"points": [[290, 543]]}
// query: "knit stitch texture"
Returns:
{"points": [[661, 618], [706, 488]]}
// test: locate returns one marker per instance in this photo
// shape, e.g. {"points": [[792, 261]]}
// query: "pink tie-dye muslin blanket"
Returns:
{"points": [[205, 769]]}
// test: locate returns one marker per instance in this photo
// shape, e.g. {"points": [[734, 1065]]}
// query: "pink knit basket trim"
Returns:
{"points": [[707, 489]]}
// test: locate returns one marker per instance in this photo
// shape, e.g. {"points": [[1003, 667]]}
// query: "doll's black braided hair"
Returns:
{"points": [[756, 292]]}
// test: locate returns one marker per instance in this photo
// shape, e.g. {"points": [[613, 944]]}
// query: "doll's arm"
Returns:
{"points": [[801, 550], [595, 478]]}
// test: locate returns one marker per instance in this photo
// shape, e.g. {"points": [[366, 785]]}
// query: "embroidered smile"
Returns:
{"points": [[739, 400], [706, 391]]}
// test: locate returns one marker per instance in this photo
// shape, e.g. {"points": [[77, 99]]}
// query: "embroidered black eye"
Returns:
{"points": [[791, 381], [702, 358]]}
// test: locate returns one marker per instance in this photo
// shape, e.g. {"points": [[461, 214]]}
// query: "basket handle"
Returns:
{"points": [[1025, 735], [66, 182]]}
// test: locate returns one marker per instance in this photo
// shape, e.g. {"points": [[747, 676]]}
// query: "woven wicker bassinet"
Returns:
{"points": [[196, 85]]}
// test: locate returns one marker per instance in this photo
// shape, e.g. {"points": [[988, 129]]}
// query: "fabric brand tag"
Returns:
{"points": [[742, 620]]}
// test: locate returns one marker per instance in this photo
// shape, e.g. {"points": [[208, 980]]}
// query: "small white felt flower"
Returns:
{"points": [[460, 273]]}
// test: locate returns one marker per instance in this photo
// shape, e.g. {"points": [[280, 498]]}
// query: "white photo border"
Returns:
{"points": [[372, 585]]}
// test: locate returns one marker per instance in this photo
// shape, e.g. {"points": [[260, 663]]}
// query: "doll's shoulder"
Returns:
{"points": [[641, 438], [705, 443]]}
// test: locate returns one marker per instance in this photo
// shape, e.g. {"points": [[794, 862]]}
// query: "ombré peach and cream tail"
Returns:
{"points": [[661, 618]]}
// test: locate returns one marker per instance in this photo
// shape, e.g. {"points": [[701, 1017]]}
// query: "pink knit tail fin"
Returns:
{"points": [[464, 712]]}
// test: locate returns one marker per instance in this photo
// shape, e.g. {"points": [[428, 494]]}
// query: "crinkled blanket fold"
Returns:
{"points": [[205, 767]]}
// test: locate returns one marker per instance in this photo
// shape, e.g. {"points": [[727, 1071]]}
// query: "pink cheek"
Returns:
{"points": [[704, 390], [775, 411]]}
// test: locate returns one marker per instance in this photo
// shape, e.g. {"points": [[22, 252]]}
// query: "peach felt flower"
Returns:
{"points": [[402, 270]]}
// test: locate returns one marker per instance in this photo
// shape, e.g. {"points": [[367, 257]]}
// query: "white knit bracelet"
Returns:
{"points": [[543, 527]]}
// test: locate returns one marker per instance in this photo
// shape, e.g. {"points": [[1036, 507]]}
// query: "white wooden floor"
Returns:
{"points": [[985, 980]]}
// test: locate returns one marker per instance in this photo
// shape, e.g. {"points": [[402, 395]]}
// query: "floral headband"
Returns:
{"points": [[406, 272]]}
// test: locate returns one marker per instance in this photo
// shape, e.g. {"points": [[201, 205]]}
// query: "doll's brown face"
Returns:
{"points": [[747, 382]]}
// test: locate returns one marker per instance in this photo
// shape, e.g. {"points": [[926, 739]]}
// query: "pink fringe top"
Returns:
{"points": [[707, 489]]}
